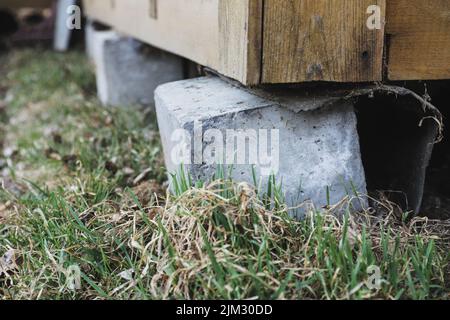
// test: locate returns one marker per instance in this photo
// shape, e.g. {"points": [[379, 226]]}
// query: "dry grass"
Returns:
{"points": [[218, 242], [208, 245]]}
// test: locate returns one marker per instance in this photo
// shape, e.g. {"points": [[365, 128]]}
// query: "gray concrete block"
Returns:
{"points": [[311, 147], [128, 72], [95, 47], [63, 31], [89, 36]]}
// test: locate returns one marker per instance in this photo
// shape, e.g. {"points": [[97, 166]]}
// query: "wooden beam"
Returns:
{"points": [[321, 40], [419, 39], [292, 41], [240, 33]]}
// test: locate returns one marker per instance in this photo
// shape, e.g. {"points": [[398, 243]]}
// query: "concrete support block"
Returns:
{"points": [[310, 146], [128, 71], [89, 34], [95, 46], [62, 31]]}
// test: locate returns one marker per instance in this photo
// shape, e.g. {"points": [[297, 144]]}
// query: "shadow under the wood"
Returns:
{"points": [[8, 23], [436, 201], [397, 141]]}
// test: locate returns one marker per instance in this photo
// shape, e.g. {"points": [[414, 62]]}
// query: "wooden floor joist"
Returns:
{"points": [[291, 41]]}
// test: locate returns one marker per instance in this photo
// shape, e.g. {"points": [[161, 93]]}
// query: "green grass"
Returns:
{"points": [[72, 202]]}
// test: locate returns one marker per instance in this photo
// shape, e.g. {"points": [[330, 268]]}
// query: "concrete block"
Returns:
{"points": [[95, 46], [62, 31], [128, 72], [310, 144], [89, 34]]}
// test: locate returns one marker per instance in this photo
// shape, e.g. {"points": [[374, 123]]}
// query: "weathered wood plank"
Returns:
{"points": [[240, 33], [419, 39], [321, 40], [292, 41]]}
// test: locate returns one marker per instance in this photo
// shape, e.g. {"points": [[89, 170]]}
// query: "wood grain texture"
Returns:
{"points": [[240, 32], [321, 40], [419, 39]]}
